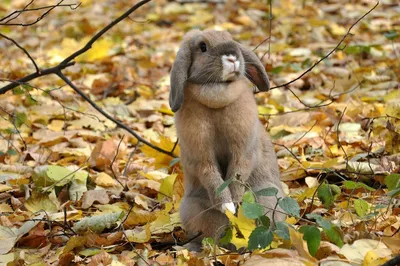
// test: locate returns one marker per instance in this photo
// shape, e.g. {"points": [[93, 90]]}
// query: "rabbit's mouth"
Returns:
{"points": [[232, 76], [230, 67]]}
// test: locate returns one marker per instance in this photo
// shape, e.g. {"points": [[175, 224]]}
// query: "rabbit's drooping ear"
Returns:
{"points": [[255, 71], [179, 75]]}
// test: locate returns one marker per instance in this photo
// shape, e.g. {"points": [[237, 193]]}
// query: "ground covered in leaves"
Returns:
{"points": [[77, 190]]}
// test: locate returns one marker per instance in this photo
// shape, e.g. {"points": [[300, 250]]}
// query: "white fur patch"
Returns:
{"points": [[230, 65], [230, 206]]}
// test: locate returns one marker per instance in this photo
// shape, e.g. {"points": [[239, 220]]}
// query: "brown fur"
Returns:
{"points": [[219, 131]]}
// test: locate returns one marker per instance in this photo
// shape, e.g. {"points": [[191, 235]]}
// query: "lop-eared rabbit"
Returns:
{"points": [[219, 131]]}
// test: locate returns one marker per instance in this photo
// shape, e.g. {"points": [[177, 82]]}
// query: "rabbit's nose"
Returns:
{"points": [[231, 58]]}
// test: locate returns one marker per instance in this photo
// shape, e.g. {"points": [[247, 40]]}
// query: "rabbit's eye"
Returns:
{"points": [[203, 47]]}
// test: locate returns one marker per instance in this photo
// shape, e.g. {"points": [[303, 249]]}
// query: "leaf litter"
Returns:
{"points": [[89, 193]]}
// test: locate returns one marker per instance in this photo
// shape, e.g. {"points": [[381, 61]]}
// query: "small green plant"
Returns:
{"points": [[262, 230]]}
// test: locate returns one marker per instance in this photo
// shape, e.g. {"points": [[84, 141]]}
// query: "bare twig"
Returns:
{"points": [[68, 61], [15, 14], [23, 50], [113, 161], [118, 123], [330, 52]]}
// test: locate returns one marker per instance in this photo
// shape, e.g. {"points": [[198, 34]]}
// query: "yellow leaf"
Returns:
{"points": [[138, 217], [291, 220], [337, 29], [358, 251], [105, 180], [245, 226], [165, 223], [166, 111], [4, 207], [40, 202], [167, 186], [56, 125], [162, 160], [298, 243], [4, 188], [373, 259], [116, 207], [308, 193], [141, 234], [99, 50]]}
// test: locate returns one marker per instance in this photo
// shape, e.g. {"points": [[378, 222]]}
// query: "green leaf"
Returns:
{"points": [[277, 70], [227, 238], [252, 210], [12, 152], [391, 35], [392, 181], [47, 175], [282, 230], [173, 162], [20, 119], [290, 206], [361, 207], [356, 185], [98, 223], [312, 235], [18, 90], [335, 236], [357, 49], [265, 221], [267, 192], [327, 194], [260, 238], [394, 192], [324, 223], [248, 197], [208, 241], [224, 186]]}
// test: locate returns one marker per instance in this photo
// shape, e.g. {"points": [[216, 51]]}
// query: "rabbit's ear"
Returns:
{"points": [[179, 74], [255, 71]]}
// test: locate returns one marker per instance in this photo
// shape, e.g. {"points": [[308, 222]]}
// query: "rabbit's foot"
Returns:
{"points": [[230, 206]]}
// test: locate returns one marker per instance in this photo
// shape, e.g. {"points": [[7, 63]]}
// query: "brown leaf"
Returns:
{"points": [[91, 196]]}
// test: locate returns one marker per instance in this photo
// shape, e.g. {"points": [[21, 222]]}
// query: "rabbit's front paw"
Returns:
{"points": [[230, 206], [237, 191]]}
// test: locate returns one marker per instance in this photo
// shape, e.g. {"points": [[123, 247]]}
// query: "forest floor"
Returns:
{"points": [[75, 189]]}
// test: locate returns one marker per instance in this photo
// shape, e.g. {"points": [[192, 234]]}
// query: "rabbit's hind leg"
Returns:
{"points": [[198, 215]]}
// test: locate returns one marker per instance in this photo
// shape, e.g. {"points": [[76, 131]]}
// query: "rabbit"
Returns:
{"points": [[219, 132]]}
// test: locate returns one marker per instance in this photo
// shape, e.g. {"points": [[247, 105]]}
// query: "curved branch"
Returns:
{"points": [[328, 54], [118, 123], [23, 50], [10, 17], [67, 61], [104, 30]]}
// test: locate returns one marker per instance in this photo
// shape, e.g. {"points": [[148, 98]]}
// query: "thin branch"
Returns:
{"points": [[101, 32], [17, 13], [118, 123], [23, 50], [67, 62], [328, 54], [44, 72], [113, 161]]}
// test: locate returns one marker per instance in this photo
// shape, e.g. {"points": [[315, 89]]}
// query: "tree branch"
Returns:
{"points": [[23, 50], [10, 17], [328, 54], [118, 123]]}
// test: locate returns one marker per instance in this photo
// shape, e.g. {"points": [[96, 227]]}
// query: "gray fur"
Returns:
{"points": [[219, 131]]}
